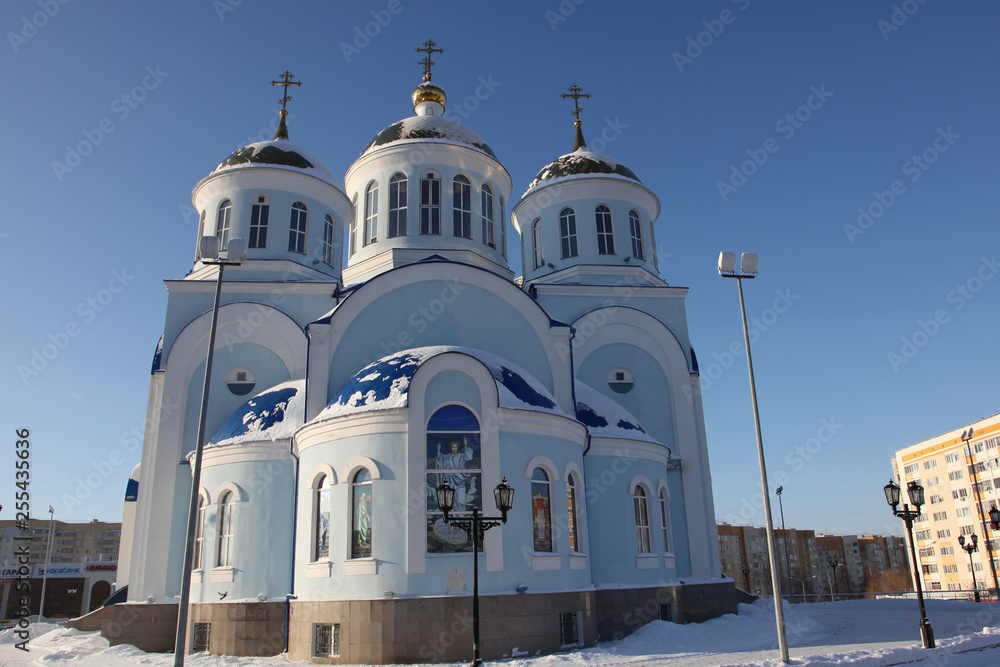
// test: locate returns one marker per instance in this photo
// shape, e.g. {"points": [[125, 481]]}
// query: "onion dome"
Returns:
{"points": [[429, 128], [428, 92], [583, 162], [280, 154]]}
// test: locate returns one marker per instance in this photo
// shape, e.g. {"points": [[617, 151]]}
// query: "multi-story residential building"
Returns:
{"points": [[881, 555], [961, 479]]}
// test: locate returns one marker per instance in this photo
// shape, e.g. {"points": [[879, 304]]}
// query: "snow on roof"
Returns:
{"points": [[278, 153], [430, 128], [605, 417], [582, 162], [270, 415], [385, 384]]}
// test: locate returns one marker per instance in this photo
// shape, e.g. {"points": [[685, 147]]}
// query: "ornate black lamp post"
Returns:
{"points": [[967, 439], [972, 546], [833, 563], [746, 577], [475, 526], [916, 493]]}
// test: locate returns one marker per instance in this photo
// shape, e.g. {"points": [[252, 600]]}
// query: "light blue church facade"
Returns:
{"points": [[374, 344]]}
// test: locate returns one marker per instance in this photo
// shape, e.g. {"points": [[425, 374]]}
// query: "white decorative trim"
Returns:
{"points": [[577, 561], [662, 486], [571, 467], [321, 469], [202, 280], [546, 561], [196, 576], [546, 464], [633, 281], [669, 561], [643, 481], [630, 449], [204, 493], [358, 566], [319, 570], [339, 428], [239, 495], [244, 453], [222, 575], [356, 464], [647, 561]]}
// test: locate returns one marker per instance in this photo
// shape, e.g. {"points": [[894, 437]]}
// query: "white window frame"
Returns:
{"points": [[260, 212], [635, 227], [370, 232], [297, 225], [430, 204], [461, 190], [398, 193], [538, 251], [329, 231], [568, 243], [489, 226], [605, 230], [223, 219]]}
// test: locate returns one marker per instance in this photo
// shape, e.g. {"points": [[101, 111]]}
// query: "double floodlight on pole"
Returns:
{"points": [[916, 494], [209, 254], [748, 270]]}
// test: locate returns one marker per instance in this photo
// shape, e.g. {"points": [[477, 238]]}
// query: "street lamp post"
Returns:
{"points": [[967, 438], [833, 563], [972, 546], [746, 577], [48, 556], [474, 526], [748, 270], [916, 494], [784, 538], [209, 252]]}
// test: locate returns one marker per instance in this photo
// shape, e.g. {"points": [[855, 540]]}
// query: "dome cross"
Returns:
{"points": [[286, 81], [576, 94], [427, 62]]}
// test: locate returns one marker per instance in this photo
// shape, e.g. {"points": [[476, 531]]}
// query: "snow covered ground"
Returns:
{"points": [[860, 633]]}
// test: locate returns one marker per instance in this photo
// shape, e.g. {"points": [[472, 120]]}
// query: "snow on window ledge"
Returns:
{"points": [[359, 566], [319, 570]]}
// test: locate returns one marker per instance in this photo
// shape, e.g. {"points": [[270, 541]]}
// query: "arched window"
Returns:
{"points": [[652, 241], [222, 223], [328, 230], [397, 205], [371, 214], [199, 534], [488, 224], [635, 227], [536, 241], [430, 204], [665, 519], [323, 519], [453, 456], [572, 514], [297, 228], [503, 230], [567, 233], [259, 213], [352, 240], [361, 515], [224, 556], [541, 510], [641, 502], [605, 234], [462, 206]]}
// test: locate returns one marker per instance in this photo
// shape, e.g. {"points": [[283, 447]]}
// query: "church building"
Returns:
{"points": [[376, 344]]}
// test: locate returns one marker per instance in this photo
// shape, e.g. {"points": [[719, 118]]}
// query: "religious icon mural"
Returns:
{"points": [[453, 456], [361, 534]]}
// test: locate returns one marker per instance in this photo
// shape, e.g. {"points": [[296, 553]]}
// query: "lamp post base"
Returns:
{"points": [[926, 633]]}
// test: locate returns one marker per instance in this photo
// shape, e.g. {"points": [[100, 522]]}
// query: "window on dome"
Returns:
{"points": [[352, 241], [573, 517], [635, 226], [297, 228], [328, 230], [361, 522], [652, 240], [567, 233], [201, 223], [536, 241], [453, 456], [641, 502], [323, 492], [541, 510], [397, 205], [488, 225], [222, 223], [665, 519], [371, 214], [503, 230], [224, 557], [430, 204], [462, 206], [605, 234], [259, 213]]}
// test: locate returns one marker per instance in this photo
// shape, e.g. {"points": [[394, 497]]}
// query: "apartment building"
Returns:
{"points": [[961, 479]]}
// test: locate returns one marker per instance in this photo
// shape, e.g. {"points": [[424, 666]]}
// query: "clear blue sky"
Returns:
{"points": [[865, 97]]}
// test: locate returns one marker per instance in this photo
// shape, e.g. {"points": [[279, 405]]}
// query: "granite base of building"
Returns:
{"points": [[437, 629]]}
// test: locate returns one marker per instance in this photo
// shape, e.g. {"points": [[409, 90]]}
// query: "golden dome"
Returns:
{"points": [[428, 92]]}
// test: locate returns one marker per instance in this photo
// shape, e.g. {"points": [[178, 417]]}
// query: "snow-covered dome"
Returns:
{"points": [[280, 154], [430, 128], [583, 162], [271, 415]]}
